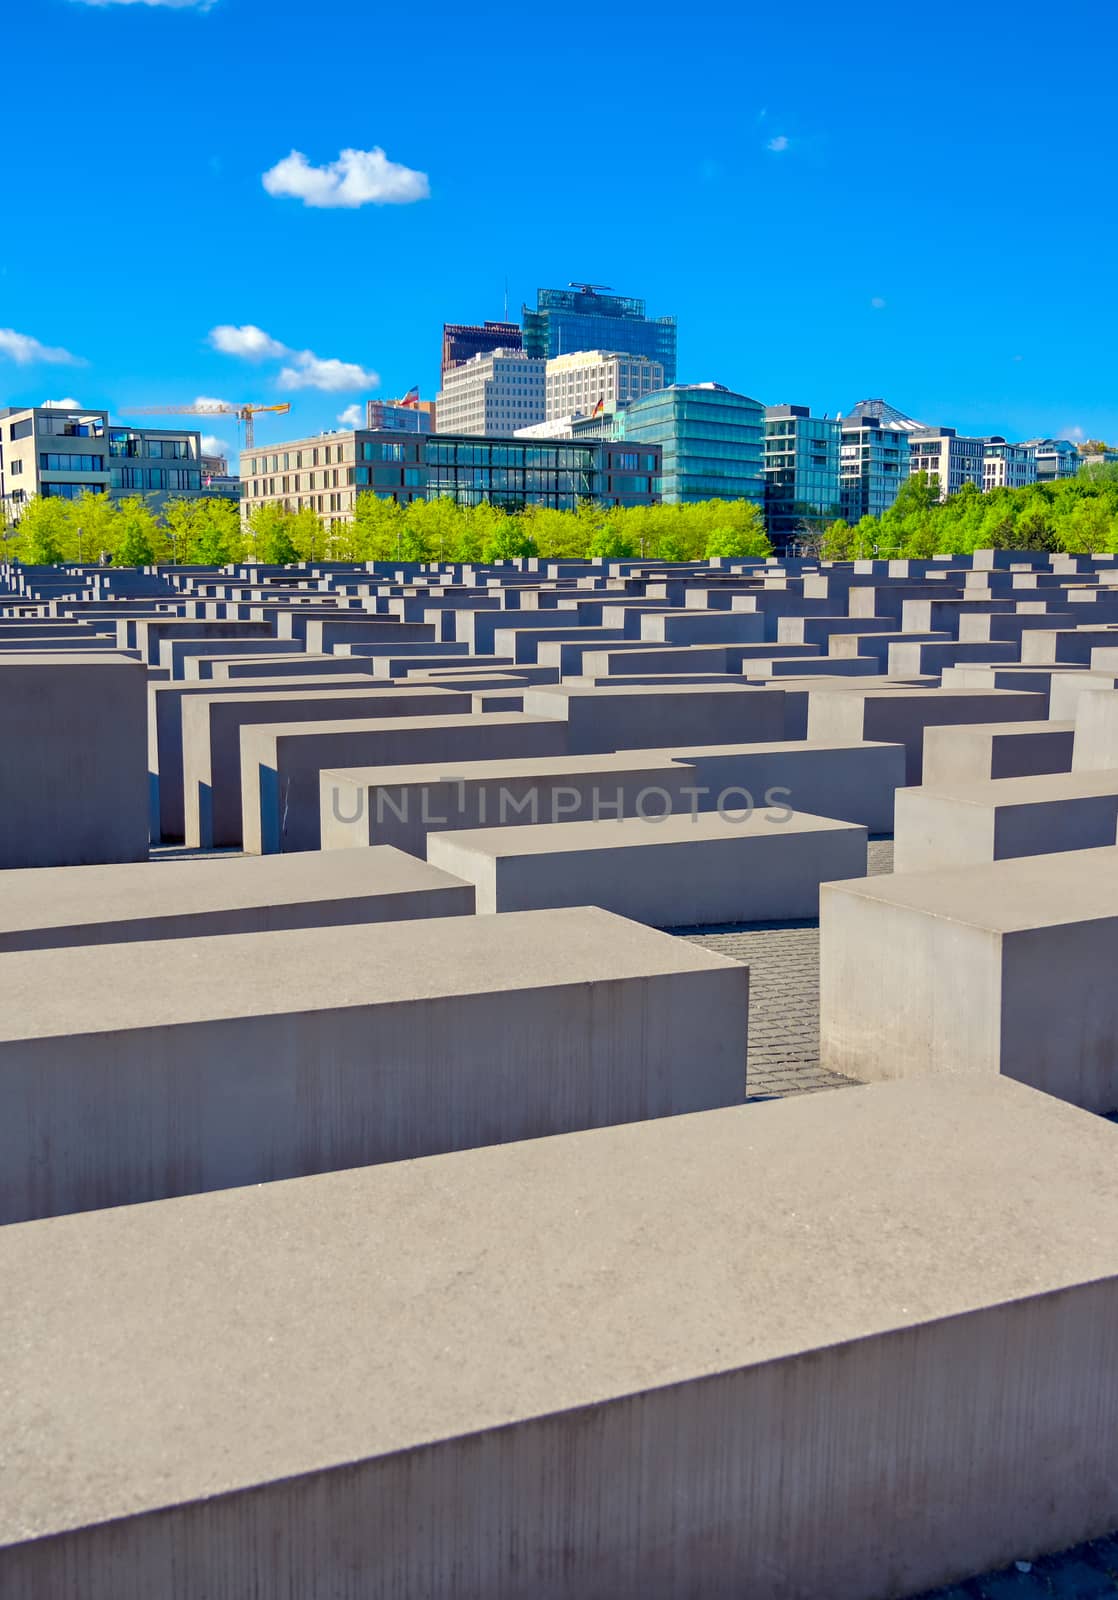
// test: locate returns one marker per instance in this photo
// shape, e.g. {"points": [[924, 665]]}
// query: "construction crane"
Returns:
{"points": [[243, 413]]}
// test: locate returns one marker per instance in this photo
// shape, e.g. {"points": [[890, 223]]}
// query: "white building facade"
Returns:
{"points": [[492, 395], [579, 382], [944, 454], [1007, 466]]}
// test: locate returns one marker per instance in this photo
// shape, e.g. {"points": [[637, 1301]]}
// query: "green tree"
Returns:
{"points": [[137, 534], [740, 536], [44, 532], [509, 543], [270, 535]]}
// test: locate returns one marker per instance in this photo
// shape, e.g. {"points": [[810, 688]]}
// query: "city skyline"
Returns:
{"points": [[852, 222]]}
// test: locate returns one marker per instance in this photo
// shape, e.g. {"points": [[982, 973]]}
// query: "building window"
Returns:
{"points": [[50, 462]]}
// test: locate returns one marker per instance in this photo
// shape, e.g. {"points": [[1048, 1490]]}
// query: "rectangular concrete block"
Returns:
{"points": [[54, 907], [675, 871], [73, 735], [281, 764], [211, 732], [137, 1071], [1000, 968], [1096, 732], [900, 717], [961, 823], [980, 751], [585, 1367], [635, 717]]}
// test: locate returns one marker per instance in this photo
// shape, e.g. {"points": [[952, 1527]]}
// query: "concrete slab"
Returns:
{"points": [[281, 763], [253, 1390], [979, 751], [900, 717], [73, 734], [1096, 732], [964, 823], [636, 717], [138, 1071], [51, 908], [1000, 968], [165, 702], [211, 734], [672, 871], [225, 668]]}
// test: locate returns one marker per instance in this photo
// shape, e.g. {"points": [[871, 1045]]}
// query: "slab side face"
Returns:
{"points": [[280, 1054], [636, 1364]]}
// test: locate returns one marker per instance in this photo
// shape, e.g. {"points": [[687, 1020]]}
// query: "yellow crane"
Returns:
{"points": [[243, 413]]}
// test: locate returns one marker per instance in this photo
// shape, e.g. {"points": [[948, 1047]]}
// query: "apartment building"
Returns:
{"points": [[1006, 465], [949, 457], [873, 463], [1055, 458], [801, 471], [577, 384], [61, 453], [492, 395]]}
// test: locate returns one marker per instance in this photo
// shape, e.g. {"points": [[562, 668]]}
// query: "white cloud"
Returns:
{"points": [[332, 376], [779, 144], [353, 416], [248, 341], [356, 178], [172, 5], [25, 351], [208, 400], [69, 404], [877, 303], [213, 446]]}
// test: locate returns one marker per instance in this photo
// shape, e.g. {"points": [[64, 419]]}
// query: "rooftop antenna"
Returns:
{"points": [[506, 297]]}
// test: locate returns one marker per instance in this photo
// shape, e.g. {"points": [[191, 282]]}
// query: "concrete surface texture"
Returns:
{"points": [[51, 908], [985, 750], [635, 717], [132, 1072], [714, 866], [1005, 968], [258, 1388]]}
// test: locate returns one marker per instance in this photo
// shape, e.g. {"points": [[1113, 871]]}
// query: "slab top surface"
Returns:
{"points": [[1032, 789], [48, 897], [157, 1353], [174, 982], [1008, 896]]}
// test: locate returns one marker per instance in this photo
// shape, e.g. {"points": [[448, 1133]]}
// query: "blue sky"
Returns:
{"points": [[836, 202]]}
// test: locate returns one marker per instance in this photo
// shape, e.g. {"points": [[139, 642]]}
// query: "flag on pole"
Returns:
{"points": [[412, 396], [598, 409]]}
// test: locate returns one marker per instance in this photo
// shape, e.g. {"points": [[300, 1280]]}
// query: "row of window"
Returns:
{"points": [[49, 461], [317, 456], [70, 491], [158, 478]]}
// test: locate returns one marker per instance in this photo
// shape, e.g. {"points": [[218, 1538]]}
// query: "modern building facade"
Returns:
{"points": [[462, 340], [873, 463], [949, 457], [801, 471], [492, 395], [1055, 458], [712, 441], [583, 316], [1007, 466], [386, 416], [326, 474], [63, 454], [577, 384]]}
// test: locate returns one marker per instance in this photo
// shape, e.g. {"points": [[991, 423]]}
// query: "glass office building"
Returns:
{"points": [[584, 317], [712, 440], [873, 463], [801, 471]]}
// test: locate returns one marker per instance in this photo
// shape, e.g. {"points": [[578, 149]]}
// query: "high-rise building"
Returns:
{"points": [[328, 472], [712, 439], [873, 463], [949, 457], [583, 316], [492, 395], [580, 382], [462, 340], [61, 453], [1055, 458], [1007, 466], [801, 471]]}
